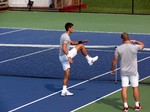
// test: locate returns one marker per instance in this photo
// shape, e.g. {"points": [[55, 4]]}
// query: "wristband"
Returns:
{"points": [[68, 55], [80, 42]]}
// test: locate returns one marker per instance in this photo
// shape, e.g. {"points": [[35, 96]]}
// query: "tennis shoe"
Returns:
{"points": [[137, 108], [66, 93], [92, 60], [125, 109]]}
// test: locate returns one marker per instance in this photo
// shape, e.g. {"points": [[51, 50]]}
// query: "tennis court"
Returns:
{"points": [[31, 74]]}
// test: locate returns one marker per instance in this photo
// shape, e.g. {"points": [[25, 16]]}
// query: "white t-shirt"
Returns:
{"points": [[65, 38], [128, 58]]}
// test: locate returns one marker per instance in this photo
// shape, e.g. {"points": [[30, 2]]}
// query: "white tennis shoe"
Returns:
{"points": [[66, 93], [92, 60]]}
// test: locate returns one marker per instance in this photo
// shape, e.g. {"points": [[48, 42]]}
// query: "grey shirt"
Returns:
{"points": [[65, 38], [128, 58]]}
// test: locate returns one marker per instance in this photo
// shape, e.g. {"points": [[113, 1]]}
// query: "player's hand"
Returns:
{"points": [[70, 60], [133, 41], [112, 72], [84, 41]]}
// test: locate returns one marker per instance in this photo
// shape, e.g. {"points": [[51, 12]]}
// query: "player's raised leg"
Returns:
{"points": [[91, 60]]}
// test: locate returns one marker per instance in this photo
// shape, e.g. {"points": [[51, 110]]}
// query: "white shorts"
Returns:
{"points": [[130, 79], [64, 59]]}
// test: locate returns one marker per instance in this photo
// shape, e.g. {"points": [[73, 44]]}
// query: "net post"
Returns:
{"points": [[116, 75], [132, 6]]}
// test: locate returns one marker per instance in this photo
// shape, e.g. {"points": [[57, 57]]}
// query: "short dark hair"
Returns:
{"points": [[125, 36], [68, 25]]}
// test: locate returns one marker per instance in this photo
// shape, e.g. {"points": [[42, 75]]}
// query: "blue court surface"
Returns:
{"points": [[31, 74]]}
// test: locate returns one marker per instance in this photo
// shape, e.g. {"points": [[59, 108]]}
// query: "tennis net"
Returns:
{"points": [[26, 60]]}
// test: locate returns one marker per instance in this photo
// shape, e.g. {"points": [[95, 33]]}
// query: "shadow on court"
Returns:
{"points": [[53, 88], [113, 102]]}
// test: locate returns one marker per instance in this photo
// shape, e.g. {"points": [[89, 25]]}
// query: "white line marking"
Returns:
{"points": [[12, 31], [13, 110], [90, 47], [144, 59], [34, 101], [24, 56], [28, 45], [75, 31]]}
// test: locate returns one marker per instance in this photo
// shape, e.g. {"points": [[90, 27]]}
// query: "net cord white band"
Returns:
{"points": [[47, 46], [56, 46]]}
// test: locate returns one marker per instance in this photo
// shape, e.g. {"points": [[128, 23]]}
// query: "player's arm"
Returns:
{"points": [[138, 42], [65, 50], [114, 62], [78, 42]]}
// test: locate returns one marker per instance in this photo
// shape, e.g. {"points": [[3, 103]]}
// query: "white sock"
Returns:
{"points": [[87, 57], [125, 104], [64, 87], [137, 103]]}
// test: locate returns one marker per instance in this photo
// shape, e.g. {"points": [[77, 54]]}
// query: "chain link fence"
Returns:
{"points": [[117, 6]]}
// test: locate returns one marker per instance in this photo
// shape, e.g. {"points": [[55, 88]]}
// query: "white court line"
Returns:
{"points": [[25, 105], [4, 61], [75, 31], [12, 31], [90, 47]]}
